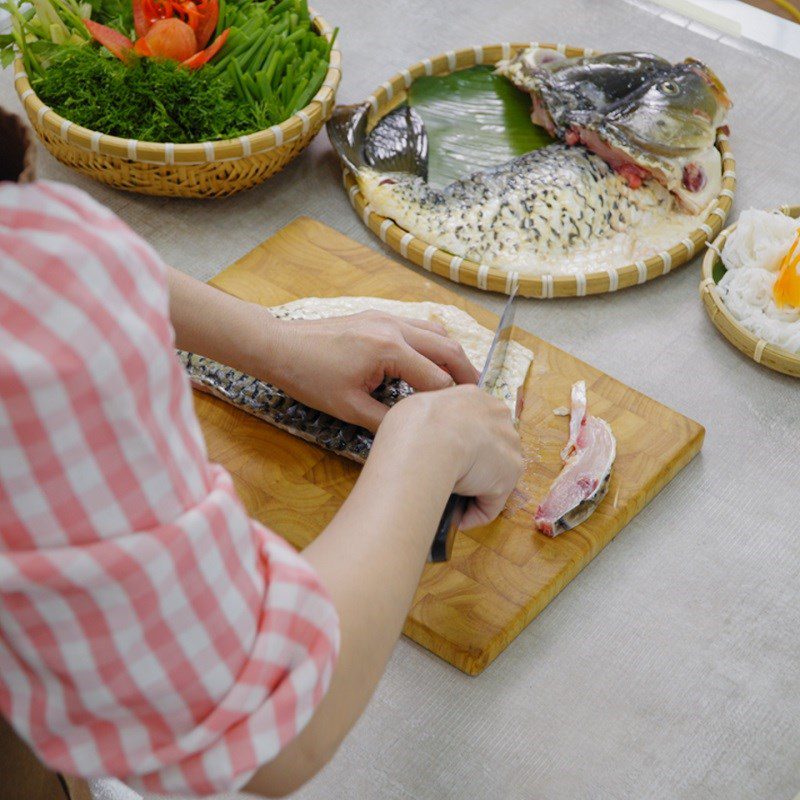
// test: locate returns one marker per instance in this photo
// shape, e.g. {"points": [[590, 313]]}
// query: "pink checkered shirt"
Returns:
{"points": [[149, 629]]}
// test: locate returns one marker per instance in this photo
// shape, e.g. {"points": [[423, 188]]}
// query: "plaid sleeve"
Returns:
{"points": [[149, 629]]}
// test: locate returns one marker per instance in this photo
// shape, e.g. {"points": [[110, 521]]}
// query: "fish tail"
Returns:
{"points": [[347, 130], [398, 143]]}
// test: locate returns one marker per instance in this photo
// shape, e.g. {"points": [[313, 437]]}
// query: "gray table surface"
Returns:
{"points": [[670, 668]]}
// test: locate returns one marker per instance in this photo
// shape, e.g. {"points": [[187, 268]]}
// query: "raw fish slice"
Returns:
{"points": [[577, 418], [583, 482]]}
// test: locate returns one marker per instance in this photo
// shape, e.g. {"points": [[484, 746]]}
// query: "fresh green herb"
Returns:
{"points": [[151, 100], [718, 270]]}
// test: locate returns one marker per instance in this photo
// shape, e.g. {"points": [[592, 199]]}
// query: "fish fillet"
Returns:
{"points": [[272, 405], [583, 481]]}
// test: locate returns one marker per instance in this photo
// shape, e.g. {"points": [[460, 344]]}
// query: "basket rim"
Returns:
{"points": [[205, 152], [759, 350], [482, 276]]}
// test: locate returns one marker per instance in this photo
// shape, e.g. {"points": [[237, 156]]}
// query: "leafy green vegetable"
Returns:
{"points": [[157, 101], [36, 30], [474, 119], [117, 14], [273, 56]]}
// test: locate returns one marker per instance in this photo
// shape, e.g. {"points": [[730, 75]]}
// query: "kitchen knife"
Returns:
{"points": [[457, 504]]}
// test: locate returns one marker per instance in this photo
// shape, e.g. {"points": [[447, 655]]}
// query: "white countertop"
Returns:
{"points": [[670, 668], [746, 20]]}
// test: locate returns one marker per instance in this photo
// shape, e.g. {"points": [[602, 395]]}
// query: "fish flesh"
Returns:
{"points": [[578, 404], [271, 404], [642, 114], [583, 481], [559, 210]]}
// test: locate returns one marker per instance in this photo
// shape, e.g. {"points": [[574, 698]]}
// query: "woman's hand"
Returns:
{"points": [[330, 364], [476, 431], [335, 364]]}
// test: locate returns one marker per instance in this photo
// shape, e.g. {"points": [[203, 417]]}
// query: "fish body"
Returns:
{"points": [[645, 116], [637, 169], [272, 405], [556, 210], [583, 481]]}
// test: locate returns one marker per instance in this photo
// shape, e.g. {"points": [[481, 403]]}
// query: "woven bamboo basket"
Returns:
{"points": [[392, 93], [204, 169], [758, 349]]}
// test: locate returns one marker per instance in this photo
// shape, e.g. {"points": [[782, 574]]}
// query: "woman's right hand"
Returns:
{"points": [[475, 434]]}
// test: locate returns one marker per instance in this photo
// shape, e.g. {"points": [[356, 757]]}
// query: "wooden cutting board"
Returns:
{"points": [[500, 577]]}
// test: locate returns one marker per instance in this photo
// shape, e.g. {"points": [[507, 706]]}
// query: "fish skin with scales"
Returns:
{"points": [[559, 209], [271, 404]]}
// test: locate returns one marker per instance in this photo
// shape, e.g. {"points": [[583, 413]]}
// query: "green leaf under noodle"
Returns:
{"points": [[718, 270], [474, 119]]}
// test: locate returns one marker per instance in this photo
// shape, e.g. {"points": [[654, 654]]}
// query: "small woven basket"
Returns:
{"points": [[461, 270], [204, 169], [759, 350]]}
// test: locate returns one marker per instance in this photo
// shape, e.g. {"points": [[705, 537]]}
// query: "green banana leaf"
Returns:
{"points": [[718, 270], [474, 119]]}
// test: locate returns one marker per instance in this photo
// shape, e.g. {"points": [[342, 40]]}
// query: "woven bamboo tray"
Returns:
{"points": [[758, 349], [393, 92], [204, 169]]}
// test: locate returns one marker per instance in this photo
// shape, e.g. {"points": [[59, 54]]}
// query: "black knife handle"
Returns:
{"points": [[448, 525]]}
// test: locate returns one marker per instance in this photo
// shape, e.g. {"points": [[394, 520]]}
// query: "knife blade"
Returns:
{"points": [[457, 504]]}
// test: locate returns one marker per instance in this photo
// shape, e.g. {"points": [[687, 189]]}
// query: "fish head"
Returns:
{"points": [[669, 126], [677, 114], [645, 116], [578, 91]]}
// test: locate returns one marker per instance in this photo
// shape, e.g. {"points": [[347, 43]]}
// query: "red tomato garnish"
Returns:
{"points": [[208, 14], [198, 59], [200, 15], [170, 38], [142, 48]]}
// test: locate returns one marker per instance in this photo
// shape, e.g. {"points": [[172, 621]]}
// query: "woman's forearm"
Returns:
{"points": [[218, 325], [330, 364], [370, 558]]}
